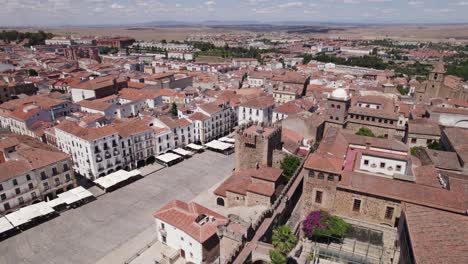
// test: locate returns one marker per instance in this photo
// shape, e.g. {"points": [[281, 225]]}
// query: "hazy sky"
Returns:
{"points": [[82, 12]]}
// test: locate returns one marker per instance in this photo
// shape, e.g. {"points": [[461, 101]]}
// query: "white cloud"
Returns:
{"points": [[210, 3], [117, 6], [416, 3], [291, 4]]}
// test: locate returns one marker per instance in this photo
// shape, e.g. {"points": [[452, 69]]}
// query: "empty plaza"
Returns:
{"points": [[91, 232]]}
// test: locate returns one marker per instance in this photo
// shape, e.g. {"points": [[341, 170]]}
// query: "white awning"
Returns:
{"points": [[28, 213], [215, 144], [182, 152], [227, 140], [116, 177], [81, 192], [194, 146], [168, 157], [5, 225], [56, 202], [74, 195]]}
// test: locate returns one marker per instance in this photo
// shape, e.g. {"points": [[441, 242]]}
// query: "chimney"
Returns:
{"points": [[368, 145]]}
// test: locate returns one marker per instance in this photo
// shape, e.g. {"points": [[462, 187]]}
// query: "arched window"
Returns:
{"points": [[220, 201]]}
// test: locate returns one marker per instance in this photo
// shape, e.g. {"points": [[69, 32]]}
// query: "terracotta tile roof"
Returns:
{"points": [[404, 109], [39, 158], [457, 138], [13, 168], [90, 133], [174, 123], [159, 76], [25, 112], [291, 140], [389, 144], [210, 108], [289, 108], [372, 112], [133, 94], [126, 128], [436, 236], [459, 103], [43, 102], [198, 116], [97, 83], [423, 127], [100, 105], [330, 154], [8, 142], [184, 216], [259, 102], [447, 110], [261, 188], [404, 191], [240, 182], [444, 159]]}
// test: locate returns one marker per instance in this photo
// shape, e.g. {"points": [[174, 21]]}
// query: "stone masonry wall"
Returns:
{"points": [[257, 199]]}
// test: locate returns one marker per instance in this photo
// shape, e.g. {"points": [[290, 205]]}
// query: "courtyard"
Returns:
{"points": [[96, 231]]}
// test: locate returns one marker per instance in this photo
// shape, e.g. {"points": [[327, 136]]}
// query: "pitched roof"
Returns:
{"points": [[13, 168], [39, 158], [198, 116], [100, 105], [452, 200], [436, 236], [210, 108], [330, 154], [126, 128], [457, 138], [444, 159], [87, 133], [189, 217], [43, 102], [259, 102], [240, 182], [447, 110]]}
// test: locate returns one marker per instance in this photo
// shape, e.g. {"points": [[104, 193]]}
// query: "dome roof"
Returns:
{"points": [[339, 93]]}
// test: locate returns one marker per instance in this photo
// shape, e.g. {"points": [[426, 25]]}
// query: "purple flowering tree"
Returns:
{"points": [[311, 223]]}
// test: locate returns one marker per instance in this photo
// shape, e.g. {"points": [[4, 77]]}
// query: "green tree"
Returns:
{"points": [[277, 258], [163, 41], [174, 109], [403, 90], [283, 239], [289, 165], [416, 151], [32, 72], [364, 131], [435, 146]]}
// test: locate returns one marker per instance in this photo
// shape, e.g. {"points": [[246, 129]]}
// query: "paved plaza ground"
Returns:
{"points": [[93, 232]]}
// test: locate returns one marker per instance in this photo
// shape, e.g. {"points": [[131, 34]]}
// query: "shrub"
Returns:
{"points": [[320, 223], [364, 131], [283, 239], [277, 258], [289, 165]]}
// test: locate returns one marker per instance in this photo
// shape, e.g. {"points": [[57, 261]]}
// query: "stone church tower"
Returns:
{"points": [[436, 80]]}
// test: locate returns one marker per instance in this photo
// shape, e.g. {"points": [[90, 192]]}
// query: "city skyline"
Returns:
{"points": [[120, 12]]}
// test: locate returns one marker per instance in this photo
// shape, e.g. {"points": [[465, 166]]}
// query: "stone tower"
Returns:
{"points": [[436, 80], [338, 104], [255, 145]]}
